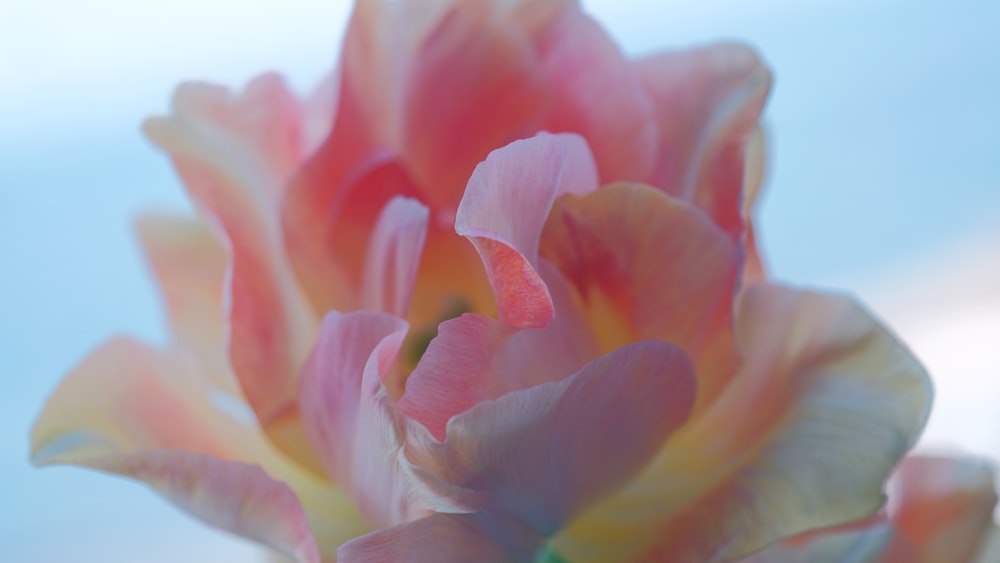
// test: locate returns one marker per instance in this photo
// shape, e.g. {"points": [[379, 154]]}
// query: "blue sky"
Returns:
{"points": [[884, 129]]}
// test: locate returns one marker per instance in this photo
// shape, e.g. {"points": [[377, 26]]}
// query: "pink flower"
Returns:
{"points": [[596, 376]]}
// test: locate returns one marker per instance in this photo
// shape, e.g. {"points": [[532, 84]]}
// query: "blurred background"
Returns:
{"points": [[883, 181]]}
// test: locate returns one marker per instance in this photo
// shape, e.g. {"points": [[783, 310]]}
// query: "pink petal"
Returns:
{"points": [[942, 507], [349, 417], [235, 497], [825, 404], [707, 102], [393, 257], [650, 266], [505, 206], [234, 154], [444, 538], [475, 358], [598, 96]]}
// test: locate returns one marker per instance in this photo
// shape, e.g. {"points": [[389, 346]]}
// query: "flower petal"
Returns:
{"points": [[190, 267], [826, 403], [622, 245], [393, 257], [598, 96], [943, 506], [135, 410], [707, 102], [505, 206], [349, 417], [444, 538], [476, 358]]}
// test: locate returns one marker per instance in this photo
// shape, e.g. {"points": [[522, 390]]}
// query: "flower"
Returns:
{"points": [[603, 374]]}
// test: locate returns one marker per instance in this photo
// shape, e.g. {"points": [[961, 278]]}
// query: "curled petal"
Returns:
{"points": [[707, 104], [826, 403], [649, 266], [504, 209], [393, 256]]}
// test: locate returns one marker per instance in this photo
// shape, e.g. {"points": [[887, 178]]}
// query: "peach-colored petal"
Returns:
{"points": [[539, 455], [235, 154], [943, 506], [707, 102], [825, 404], [476, 358], [393, 257], [349, 417], [237, 497], [754, 269], [143, 412], [504, 209], [598, 96], [190, 266], [650, 266]]}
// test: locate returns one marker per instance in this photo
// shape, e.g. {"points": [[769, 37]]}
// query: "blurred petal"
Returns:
{"points": [[622, 245], [190, 266], [866, 545], [237, 497], [349, 417], [234, 154], [135, 410], [444, 538], [754, 268], [393, 256], [707, 103], [504, 209], [475, 358], [826, 403], [943, 506], [598, 96]]}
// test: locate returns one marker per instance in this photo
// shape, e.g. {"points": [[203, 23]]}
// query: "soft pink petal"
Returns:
{"points": [[598, 96], [190, 266], [505, 207], [393, 257], [236, 497], [349, 417], [805, 436], [443, 538], [476, 358], [143, 412], [234, 154], [707, 103], [943, 506], [650, 266]]}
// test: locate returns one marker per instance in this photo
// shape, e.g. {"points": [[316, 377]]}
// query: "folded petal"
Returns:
{"points": [[650, 266], [504, 209], [943, 506], [190, 265], [234, 154], [826, 403], [135, 410], [598, 96], [349, 417], [476, 358], [707, 103], [393, 257]]}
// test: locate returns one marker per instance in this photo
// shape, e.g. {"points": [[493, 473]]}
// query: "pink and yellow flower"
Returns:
{"points": [[602, 374]]}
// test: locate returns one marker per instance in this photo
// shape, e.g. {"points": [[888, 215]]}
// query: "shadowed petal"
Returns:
{"points": [[826, 403], [504, 209], [707, 102], [393, 257], [444, 538]]}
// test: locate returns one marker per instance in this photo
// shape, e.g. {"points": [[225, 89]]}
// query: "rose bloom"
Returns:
{"points": [[603, 374]]}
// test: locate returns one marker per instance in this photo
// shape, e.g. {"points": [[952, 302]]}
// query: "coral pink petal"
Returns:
{"points": [[393, 256], [476, 358], [348, 415], [622, 245], [234, 154], [708, 102], [443, 538], [236, 497], [598, 96], [190, 265], [825, 404], [505, 207], [942, 507]]}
